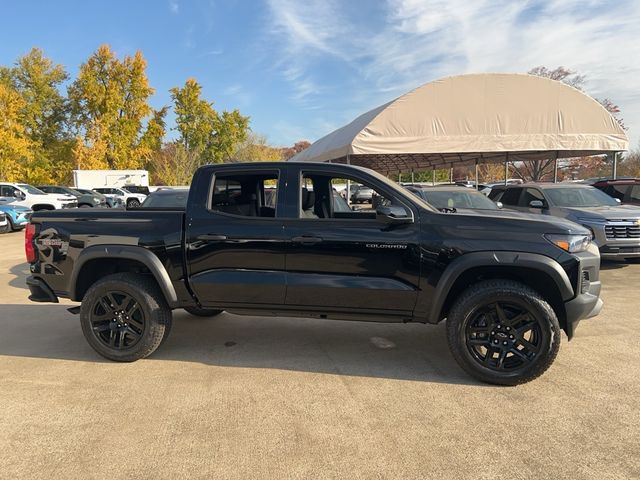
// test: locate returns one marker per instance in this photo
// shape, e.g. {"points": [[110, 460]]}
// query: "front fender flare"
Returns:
{"points": [[130, 252], [467, 261]]}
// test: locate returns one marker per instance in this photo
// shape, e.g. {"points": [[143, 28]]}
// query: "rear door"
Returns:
{"points": [[235, 239], [348, 261]]}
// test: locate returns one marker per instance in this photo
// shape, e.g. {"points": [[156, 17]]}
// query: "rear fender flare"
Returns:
{"points": [[140, 254], [467, 261]]}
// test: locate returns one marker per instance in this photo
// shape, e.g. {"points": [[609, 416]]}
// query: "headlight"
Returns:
{"points": [[570, 243], [63, 199], [96, 200]]}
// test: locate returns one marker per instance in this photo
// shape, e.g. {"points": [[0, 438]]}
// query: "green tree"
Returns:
{"points": [[213, 136], [109, 104]]}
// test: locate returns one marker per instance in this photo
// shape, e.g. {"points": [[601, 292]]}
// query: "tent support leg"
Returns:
{"points": [[412, 177], [348, 199], [614, 172], [506, 167], [433, 176], [555, 169], [476, 174], [451, 173]]}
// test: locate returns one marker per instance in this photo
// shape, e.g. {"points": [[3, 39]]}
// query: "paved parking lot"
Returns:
{"points": [[250, 397]]}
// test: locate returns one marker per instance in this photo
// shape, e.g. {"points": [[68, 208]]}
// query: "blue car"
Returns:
{"points": [[17, 216]]}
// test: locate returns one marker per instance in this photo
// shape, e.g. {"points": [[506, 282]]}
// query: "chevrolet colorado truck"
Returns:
{"points": [[270, 239]]}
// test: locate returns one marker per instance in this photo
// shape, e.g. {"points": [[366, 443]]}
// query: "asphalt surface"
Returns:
{"points": [[251, 397]]}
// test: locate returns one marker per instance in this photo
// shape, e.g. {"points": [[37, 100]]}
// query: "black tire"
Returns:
{"points": [[85, 205], [203, 312], [507, 319], [11, 226], [133, 203], [105, 321]]}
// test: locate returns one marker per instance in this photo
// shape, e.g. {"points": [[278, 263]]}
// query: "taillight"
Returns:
{"points": [[29, 249]]}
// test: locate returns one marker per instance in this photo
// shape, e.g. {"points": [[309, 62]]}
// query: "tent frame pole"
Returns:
{"points": [[433, 176], [476, 174], [555, 169], [348, 199], [451, 173], [506, 167], [614, 171]]}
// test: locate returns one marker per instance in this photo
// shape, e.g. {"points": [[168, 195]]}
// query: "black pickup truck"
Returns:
{"points": [[278, 239]]}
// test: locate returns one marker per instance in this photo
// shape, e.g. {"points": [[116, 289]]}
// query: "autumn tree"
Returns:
{"points": [[43, 114], [204, 131], [257, 148], [174, 165], [109, 105], [15, 146], [297, 147]]}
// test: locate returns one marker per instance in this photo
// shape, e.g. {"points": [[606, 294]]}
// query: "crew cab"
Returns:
{"points": [[270, 238]]}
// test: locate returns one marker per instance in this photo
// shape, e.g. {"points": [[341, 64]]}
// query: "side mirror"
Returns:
{"points": [[536, 204], [499, 205], [19, 195], [393, 214]]}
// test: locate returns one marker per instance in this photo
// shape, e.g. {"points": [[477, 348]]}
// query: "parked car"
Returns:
{"points": [[625, 190], [448, 197], [4, 223], [104, 200], [17, 216], [506, 284], [84, 200], [362, 194], [167, 198], [615, 228], [33, 198], [139, 189], [124, 198]]}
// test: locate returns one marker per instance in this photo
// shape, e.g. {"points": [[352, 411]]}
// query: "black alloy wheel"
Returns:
{"points": [[504, 336], [133, 203], [503, 332], [124, 316], [117, 320]]}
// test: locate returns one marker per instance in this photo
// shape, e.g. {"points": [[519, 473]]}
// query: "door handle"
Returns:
{"points": [[306, 240], [212, 237]]}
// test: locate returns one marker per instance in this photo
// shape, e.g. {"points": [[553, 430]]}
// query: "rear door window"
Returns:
{"points": [[529, 195], [246, 195], [510, 196], [635, 193]]}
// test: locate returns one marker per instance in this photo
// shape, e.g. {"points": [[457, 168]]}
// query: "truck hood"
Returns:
{"points": [[539, 223], [618, 212]]}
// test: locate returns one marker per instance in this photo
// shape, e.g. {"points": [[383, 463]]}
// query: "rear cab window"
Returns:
{"points": [[511, 196]]}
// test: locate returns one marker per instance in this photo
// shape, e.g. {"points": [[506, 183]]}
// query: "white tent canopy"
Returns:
{"points": [[477, 117]]}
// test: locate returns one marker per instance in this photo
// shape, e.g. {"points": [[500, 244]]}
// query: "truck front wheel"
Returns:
{"points": [[503, 332], [124, 316]]}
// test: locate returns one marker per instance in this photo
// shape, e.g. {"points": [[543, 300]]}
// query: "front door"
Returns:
{"points": [[342, 257], [236, 243]]}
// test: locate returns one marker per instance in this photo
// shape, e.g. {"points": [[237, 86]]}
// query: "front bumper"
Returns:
{"points": [[587, 303], [40, 291]]}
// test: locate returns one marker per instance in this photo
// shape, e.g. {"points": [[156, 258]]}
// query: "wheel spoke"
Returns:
{"points": [[105, 304], [112, 338], [502, 355], [502, 318], [517, 319], [526, 327], [130, 306], [101, 328], [519, 354], [526, 344]]}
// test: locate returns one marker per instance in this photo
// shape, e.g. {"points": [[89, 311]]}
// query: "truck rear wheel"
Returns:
{"points": [[124, 316], [203, 312], [503, 332]]}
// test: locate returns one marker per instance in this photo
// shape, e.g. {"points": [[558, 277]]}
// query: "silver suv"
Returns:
{"points": [[615, 228]]}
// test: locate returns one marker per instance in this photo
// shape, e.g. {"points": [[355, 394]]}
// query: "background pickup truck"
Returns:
{"points": [[271, 238]]}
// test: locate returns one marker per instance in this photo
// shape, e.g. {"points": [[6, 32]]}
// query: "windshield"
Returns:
{"points": [[579, 197], [454, 199], [30, 189], [167, 200]]}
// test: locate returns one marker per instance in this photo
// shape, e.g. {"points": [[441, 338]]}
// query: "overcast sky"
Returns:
{"points": [[303, 68]]}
